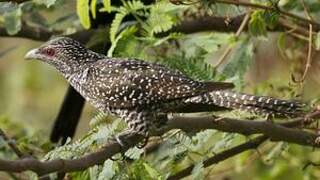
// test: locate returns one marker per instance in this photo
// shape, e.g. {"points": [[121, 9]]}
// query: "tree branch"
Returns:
{"points": [[200, 24], [252, 144], [237, 35], [276, 132], [61, 165]]}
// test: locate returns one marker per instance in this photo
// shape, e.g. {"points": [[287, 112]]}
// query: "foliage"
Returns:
{"points": [[83, 13], [147, 35]]}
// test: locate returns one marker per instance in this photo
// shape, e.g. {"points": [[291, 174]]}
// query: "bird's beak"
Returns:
{"points": [[32, 54]]}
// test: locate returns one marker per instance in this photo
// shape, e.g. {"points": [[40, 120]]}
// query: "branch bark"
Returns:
{"points": [[276, 132], [63, 165], [200, 24]]}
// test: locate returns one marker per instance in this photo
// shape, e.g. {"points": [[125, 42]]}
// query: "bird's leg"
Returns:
{"points": [[138, 123], [144, 143], [143, 129], [269, 118], [121, 140]]}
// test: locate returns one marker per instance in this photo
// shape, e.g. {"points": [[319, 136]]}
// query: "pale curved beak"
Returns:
{"points": [[32, 54]]}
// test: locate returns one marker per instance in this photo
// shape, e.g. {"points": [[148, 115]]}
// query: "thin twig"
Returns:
{"points": [[309, 59], [12, 144], [229, 48]]}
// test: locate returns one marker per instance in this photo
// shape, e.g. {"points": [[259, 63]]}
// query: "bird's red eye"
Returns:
{"points": [[49, 51]]}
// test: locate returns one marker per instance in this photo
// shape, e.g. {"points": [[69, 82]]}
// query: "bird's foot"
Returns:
{"points": [[144, 143], [121, 158], [269, 118], [121, 141]]}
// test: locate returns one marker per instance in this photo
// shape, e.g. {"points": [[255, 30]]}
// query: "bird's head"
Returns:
{"points": [[64, 53]]}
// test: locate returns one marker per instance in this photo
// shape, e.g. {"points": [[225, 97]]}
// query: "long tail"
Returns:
{"points": [[250, 103]]}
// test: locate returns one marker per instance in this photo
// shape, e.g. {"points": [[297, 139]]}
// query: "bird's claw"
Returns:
{"points": [[120, 142], [118, 159], [144, 143]]}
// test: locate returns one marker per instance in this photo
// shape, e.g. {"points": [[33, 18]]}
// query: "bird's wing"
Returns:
{"points": [[128, 83]]}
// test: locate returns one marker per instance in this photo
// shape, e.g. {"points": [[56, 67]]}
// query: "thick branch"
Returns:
{"points": [[205, 23], [275, 132], [252, 144], [60, 165]]}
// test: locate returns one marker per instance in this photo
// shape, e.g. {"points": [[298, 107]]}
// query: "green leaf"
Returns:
{"points": [[276, 151], [194, 66], [159, 19], [317, 41], [197, 171], [93, 6], [134, 153], [239, 62], [47, 3], [271, 18], [108, 171], [83, 13], [133, 5], [257, 24], [126, 32], [7, 7], [107, 5], [152, 172], [12, 20], [116, 24]]}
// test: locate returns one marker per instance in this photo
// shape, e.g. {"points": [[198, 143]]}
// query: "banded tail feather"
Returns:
{"points": [[250, 103]]}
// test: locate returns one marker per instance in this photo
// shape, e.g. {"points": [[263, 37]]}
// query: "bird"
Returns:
{"points": [[139, 91]]}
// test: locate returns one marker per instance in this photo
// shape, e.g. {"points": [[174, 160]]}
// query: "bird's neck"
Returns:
{"points": [[73, 72], [74, 67]]}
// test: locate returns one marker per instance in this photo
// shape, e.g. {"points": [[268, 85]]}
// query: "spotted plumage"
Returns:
{"points": [[137, 91]]}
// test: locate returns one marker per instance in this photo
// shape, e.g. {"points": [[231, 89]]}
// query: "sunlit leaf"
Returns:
{"points": [[197, 171], [257, 25], [271, 18], [12, 20], [116, 24], [134, 153], [317, 41], [126, 32], [108, 170], [93, 8], [47, 3], [152, 172], [83, 13], [276, 151], [107, 5]]}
